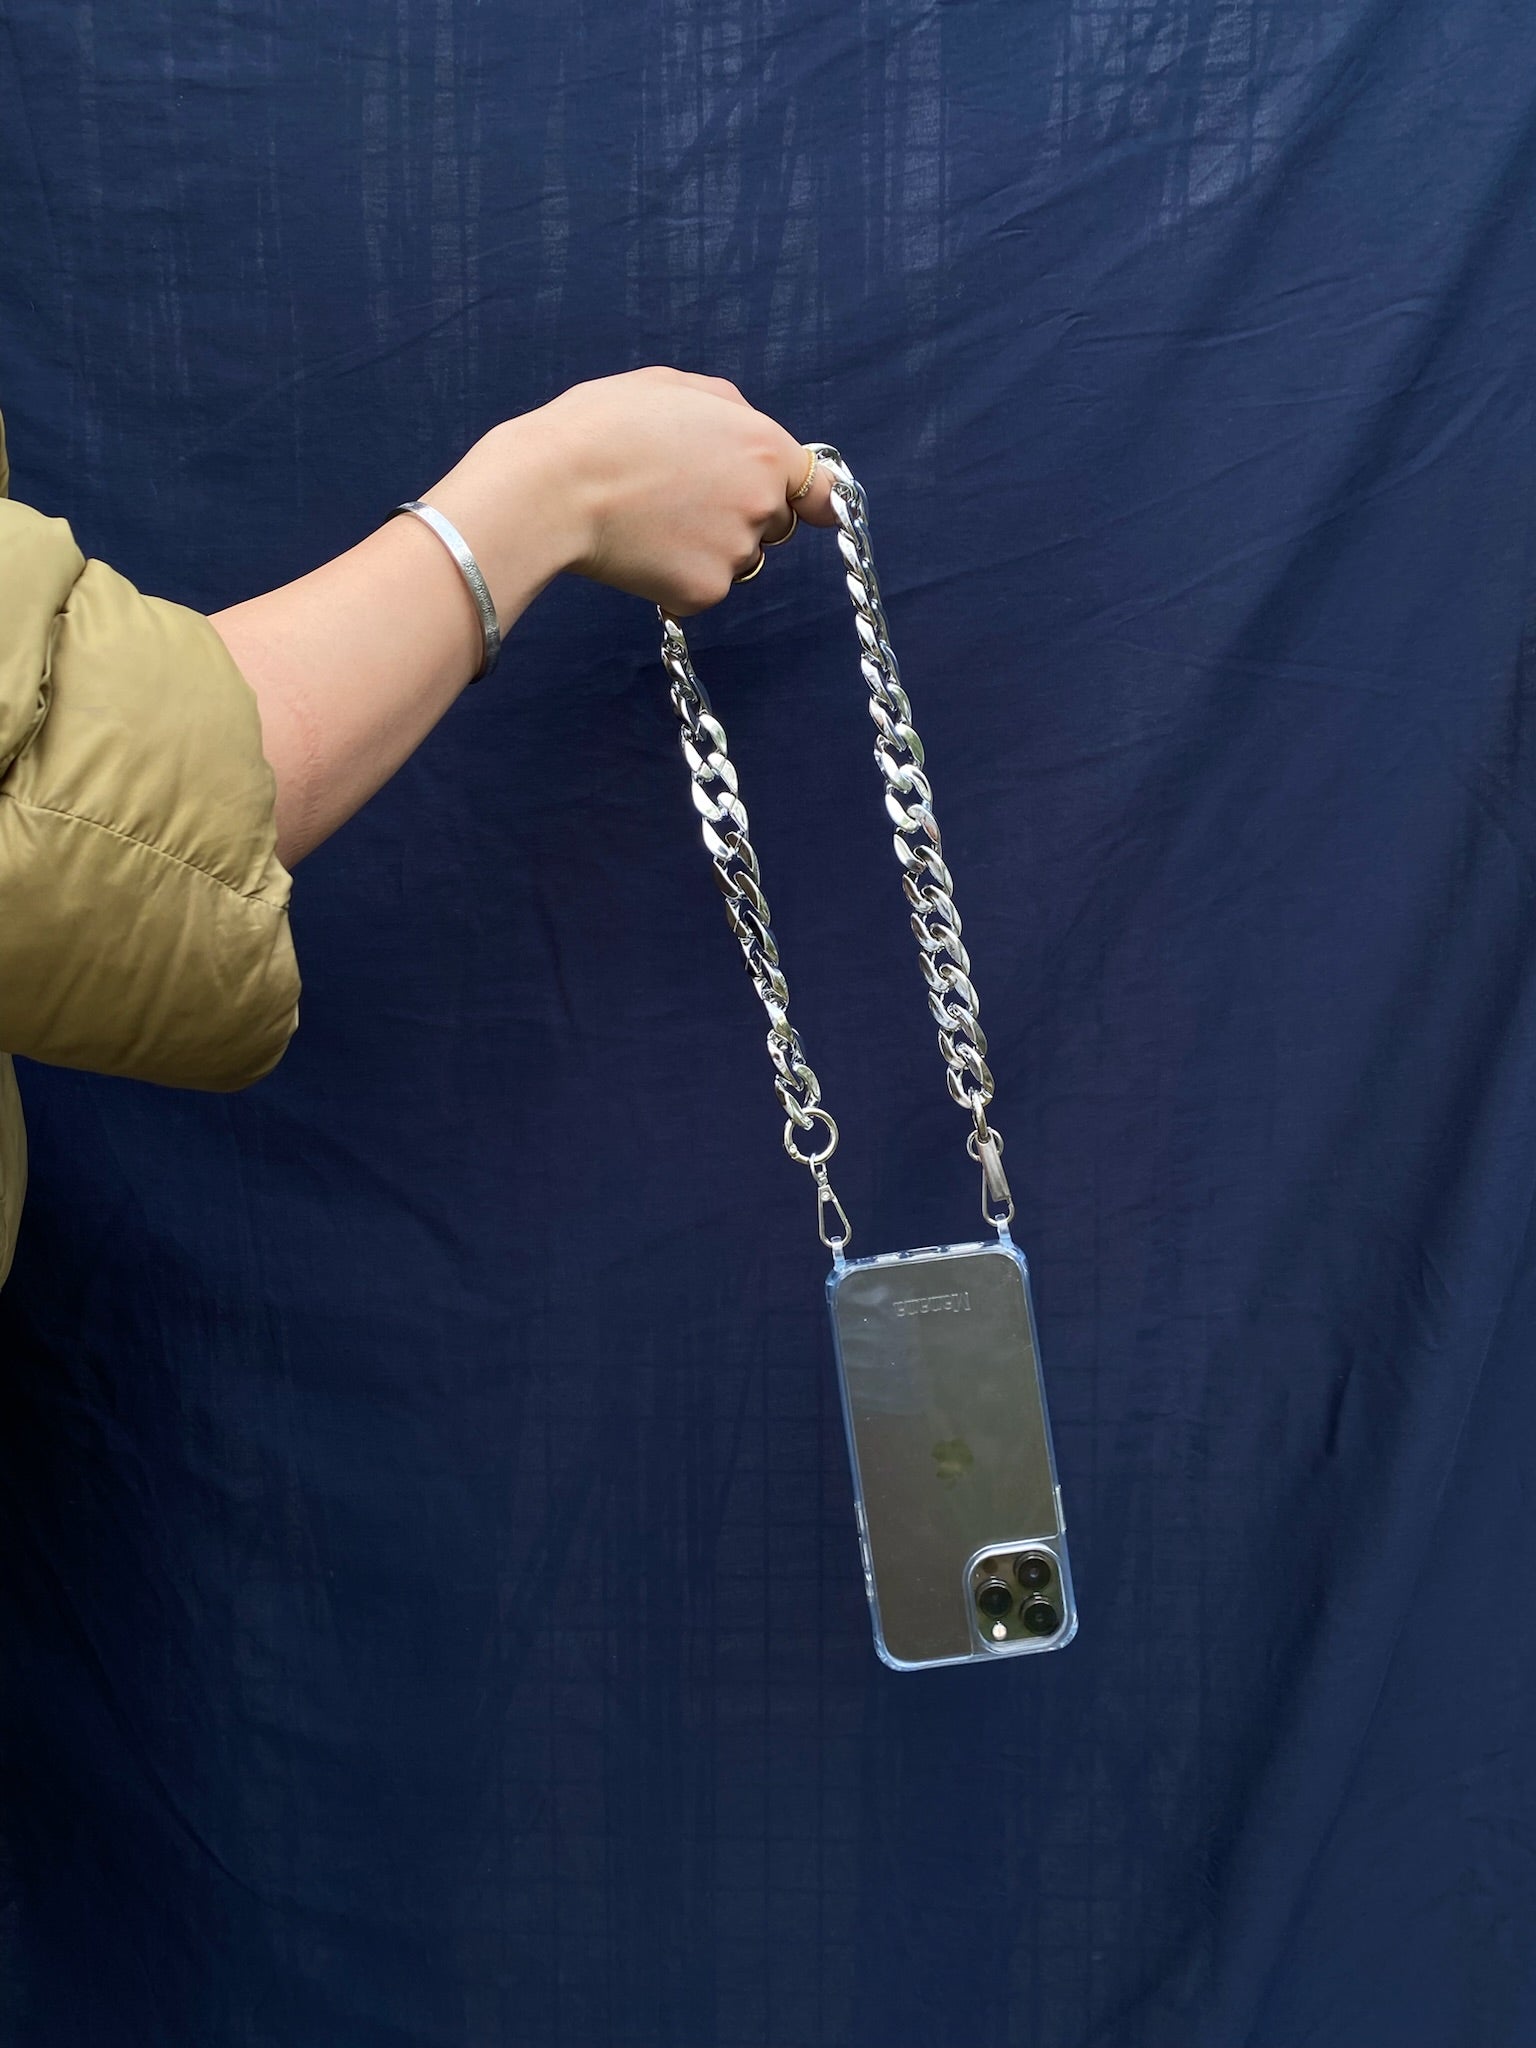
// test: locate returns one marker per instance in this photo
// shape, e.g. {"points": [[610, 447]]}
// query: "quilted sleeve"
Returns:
{"points": [[143, 910]]}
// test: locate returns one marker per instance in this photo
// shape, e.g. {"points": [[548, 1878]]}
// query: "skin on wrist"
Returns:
{"points": [[659, 483], [521, 540], [392, 630]]}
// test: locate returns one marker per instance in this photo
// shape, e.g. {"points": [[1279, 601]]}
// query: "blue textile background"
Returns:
{"points": [[429, 1609]]}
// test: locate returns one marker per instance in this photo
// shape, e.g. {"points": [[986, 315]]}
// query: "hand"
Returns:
{"points": [[658, 482]]}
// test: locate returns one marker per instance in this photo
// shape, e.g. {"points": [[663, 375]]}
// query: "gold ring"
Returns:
{"points": [[810, 474], [788, 534], [753, 571]]}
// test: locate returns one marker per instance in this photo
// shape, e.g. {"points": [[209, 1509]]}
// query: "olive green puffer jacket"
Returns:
{"points": [[143, 912]]}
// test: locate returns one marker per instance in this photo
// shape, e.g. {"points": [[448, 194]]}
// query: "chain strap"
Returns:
{"points": [[925, 880]]}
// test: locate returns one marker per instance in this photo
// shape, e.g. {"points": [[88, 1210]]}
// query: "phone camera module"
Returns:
{"points": [[994, 1599], [1033, 1572]]}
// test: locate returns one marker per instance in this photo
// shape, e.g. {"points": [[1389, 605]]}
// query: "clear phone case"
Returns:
{"points": [[955, 1491]]}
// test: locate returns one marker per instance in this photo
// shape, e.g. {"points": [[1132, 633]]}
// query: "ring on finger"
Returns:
{"points": [[787, 534], [755, 570], [796, 496]]}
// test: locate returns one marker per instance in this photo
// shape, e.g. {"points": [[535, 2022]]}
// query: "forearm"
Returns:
{"points": [[656, 482], [353, 664]]}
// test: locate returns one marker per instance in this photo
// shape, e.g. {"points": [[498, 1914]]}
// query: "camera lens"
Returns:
{"points": [[1033, 1572], [1040, 1618], [994, 1598]]}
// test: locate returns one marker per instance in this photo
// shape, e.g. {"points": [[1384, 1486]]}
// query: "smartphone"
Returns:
{"points": [[956, 1498]]}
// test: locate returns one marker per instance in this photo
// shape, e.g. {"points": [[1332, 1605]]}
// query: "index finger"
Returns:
{"points": [[815, 508]]}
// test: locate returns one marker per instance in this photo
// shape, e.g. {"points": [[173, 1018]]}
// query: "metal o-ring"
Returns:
{"points": [[817, 1158]]}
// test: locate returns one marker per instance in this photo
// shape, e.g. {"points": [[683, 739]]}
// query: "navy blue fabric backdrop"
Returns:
{"points": [[429, 1608]]}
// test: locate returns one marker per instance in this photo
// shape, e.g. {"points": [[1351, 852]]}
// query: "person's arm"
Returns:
{"points": [[659, 483], [143, 925], [143, 896]]}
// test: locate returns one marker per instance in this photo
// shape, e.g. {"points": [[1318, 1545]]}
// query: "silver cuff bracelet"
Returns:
{"points": [[469, 569]]}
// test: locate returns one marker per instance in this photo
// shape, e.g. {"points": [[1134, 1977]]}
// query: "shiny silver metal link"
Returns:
{"points": [[727, 836], [925, 879]]}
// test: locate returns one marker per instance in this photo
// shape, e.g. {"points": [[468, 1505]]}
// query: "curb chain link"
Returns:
{"points": [[925, 878]]}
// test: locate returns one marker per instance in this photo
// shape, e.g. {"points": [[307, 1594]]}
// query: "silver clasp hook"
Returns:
{"points": [[829, 1209], [985, 1146]]}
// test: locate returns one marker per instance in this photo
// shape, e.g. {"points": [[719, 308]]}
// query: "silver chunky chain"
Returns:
{"points": [[925, 879]]}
